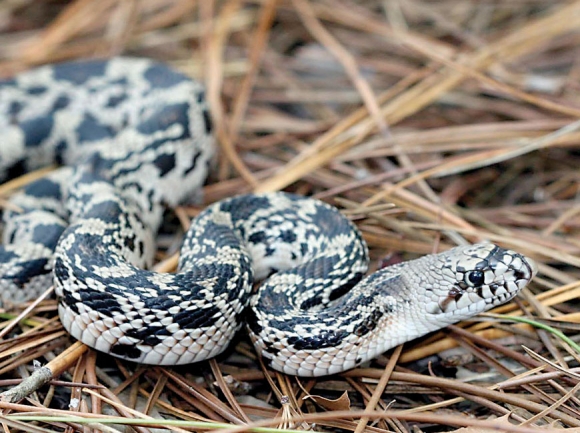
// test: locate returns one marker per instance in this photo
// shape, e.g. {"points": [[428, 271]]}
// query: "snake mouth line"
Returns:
{"points": [[500, 299]]}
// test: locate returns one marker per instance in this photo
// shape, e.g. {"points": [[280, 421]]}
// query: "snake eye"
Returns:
{"points": [[475, 278]]}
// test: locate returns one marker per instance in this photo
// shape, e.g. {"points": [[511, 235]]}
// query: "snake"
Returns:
{"points": [[133, 137]]}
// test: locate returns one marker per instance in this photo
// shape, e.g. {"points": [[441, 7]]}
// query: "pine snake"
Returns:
{"points": [[133, 136]]}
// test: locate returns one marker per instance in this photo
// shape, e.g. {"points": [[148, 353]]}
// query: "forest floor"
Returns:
{"points": [[429, 123]]}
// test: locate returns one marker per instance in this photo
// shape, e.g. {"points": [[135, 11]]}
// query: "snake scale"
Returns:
{"points": [[133, 136]]}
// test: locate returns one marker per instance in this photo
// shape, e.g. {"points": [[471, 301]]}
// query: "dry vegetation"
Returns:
{"points": [[429, 122]]}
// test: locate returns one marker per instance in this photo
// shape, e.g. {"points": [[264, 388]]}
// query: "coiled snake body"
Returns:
{"points": [[133, 136]]}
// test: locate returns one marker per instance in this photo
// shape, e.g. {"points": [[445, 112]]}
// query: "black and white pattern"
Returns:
{"points": [[133, 136]]}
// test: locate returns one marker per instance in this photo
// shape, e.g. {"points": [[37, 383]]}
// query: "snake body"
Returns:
{"points": [[133, 136]]}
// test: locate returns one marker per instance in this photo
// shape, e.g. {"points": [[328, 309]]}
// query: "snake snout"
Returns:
{"points": [[531, 269], [507, 272], [520, 269]]}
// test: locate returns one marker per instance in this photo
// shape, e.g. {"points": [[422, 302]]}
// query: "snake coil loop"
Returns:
{"points": [[133, 135]]}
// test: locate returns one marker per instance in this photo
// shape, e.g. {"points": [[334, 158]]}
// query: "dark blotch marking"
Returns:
{"points": [[369, 324], [60, 273], [165, 163], [70, 302], [44, 188], [243, 207], [59, 151], [106, 210], [135, 185], [326, 339], [36, 90], [151, 200], [257, 238], [345, 288], [16, 169], [331, 222], [9, 82], [33, 268], [252, 322], [91, 130], [207, 122], [129, 242], [149, 335], [193, 319], [288, 236], [115, 101], [159, 303], [193, 164], [271, 349], [48, 235], [60, 103], [311, 302], [30, 269], [14, 109], [125, 351], [36, 130], [163, 118], [160, 76], [79, 72], [103, 302]]}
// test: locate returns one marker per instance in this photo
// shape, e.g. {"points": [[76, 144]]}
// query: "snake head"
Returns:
{"points": [[475, 278]]}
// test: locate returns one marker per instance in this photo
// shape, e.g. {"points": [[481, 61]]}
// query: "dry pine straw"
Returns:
{"points": [[428, 123]]}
